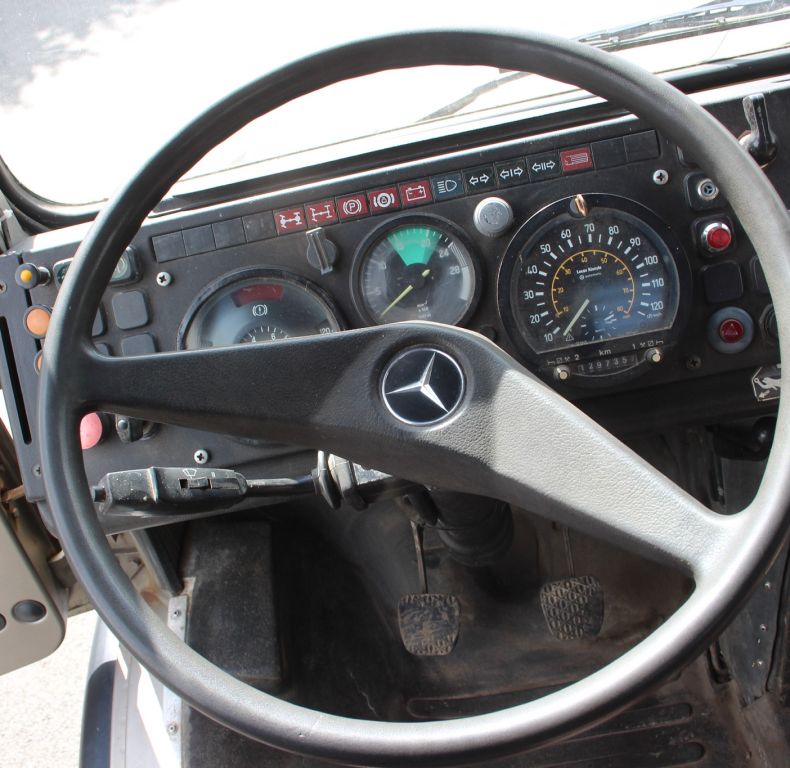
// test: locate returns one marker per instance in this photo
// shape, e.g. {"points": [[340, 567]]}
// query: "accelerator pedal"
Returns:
{"points": [[573, 608]]}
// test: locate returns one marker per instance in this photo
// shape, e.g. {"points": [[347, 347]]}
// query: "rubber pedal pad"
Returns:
{"points": [[429, 623], [573, 608]]}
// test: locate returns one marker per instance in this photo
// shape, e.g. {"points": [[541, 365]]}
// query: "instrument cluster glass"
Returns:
{"points": [[258, 306], [577, 283]]}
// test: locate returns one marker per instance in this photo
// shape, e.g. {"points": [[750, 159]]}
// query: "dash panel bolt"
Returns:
{"points": [[201, 456], [163, 279]]}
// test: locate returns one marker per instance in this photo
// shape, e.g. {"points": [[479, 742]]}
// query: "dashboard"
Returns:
{"points": [[599, 256]]}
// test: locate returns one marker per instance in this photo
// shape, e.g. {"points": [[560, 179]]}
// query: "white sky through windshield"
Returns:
{"points": [[90, 88]]}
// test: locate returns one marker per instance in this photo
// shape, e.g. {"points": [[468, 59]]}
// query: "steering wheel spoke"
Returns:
{"points": [[512, 437]]}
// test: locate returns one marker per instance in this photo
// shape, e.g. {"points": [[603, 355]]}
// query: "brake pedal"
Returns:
{"points": [[573, 608], [429, 623]]}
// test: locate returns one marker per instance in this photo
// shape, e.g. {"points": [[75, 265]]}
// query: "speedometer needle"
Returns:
{"points": [[405, 292], [576, 317]]}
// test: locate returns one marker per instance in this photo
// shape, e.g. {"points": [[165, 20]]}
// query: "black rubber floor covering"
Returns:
{"points": [[675, 728], [686, 723]]}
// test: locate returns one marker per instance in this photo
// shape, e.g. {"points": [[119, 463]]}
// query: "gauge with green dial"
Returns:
{"points": [[416, 268]]}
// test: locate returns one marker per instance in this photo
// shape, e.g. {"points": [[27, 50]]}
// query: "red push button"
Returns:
{"points": [[731, 330], [91, 431], [716, 237]]}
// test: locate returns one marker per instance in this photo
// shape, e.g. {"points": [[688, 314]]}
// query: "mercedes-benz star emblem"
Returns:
{"points": [[422, 386]]}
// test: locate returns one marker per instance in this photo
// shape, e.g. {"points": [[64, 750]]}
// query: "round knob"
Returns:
{"points": [[493, 216], [716, 237]]}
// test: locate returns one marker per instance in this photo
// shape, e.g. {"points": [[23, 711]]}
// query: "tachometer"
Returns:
{"points": [[257, 305], [591, 286], [416, 268]]}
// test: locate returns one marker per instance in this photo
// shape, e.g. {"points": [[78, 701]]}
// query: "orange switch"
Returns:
{"points": [[37, 320]]}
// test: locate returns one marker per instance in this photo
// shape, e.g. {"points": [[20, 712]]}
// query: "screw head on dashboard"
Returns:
{"points": [[163, 279], [201, 456], [660, 177]]}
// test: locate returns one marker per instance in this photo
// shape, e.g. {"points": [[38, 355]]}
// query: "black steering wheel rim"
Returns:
{"points": [[723, 581]]}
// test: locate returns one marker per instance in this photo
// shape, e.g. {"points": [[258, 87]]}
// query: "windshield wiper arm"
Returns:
{"points": [[713, 17], [703, 19]]}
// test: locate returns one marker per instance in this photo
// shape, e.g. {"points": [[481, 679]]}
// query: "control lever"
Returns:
{"points": [[321, 251], [161, 492], [760, 141]]}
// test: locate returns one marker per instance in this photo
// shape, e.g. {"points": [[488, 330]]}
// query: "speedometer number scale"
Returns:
{"points": [[593, 290]]}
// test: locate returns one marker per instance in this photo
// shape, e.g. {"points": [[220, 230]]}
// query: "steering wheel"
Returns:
{"points": [[511, 438]]}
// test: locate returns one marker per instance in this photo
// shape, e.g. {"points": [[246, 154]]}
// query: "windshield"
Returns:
{"points": [[90, 88]]}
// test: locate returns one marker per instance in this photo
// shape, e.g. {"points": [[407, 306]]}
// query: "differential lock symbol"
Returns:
{"points": [[422, 386]]}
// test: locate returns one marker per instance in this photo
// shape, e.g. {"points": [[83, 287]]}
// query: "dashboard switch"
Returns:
{"points": [[28, 276], [129, 430], [321, 251], [716, 237], [36, 321], [722, 282], [730, 330], [493, 216], [92, 427], [760, 141]]}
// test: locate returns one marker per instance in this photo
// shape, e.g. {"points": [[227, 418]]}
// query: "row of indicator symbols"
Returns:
{"points": [[355, 206]]}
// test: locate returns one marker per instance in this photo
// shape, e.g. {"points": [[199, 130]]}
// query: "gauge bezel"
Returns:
{"points": [[372, 239], [545, 361], [248, 273]]}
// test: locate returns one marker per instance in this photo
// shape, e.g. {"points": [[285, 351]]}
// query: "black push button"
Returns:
{"points": [[480, 179], [228, 233], [722, 282], [609, 153], [511, 172], [141, 344], [544, 166], [641, 146], [199, 240], [169, 247], [259, 226], [130, 310]]}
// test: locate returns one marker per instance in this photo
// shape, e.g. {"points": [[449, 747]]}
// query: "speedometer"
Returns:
{"points": [[591, 283]]}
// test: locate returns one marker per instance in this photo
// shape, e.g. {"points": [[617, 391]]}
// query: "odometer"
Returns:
{"points": [[575, 286]]}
